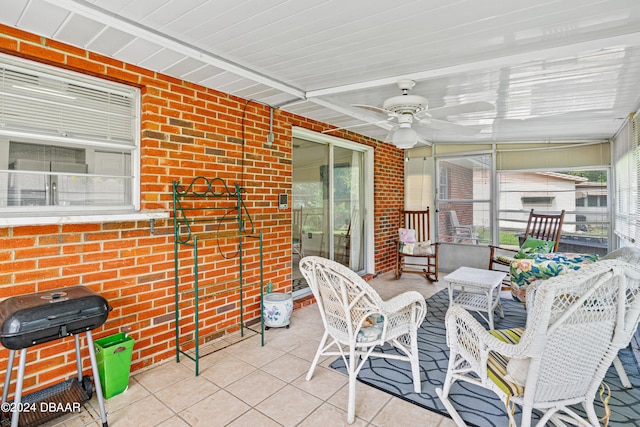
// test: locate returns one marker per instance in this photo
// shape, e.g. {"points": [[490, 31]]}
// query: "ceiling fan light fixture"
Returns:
{"points": [[405, 137]]}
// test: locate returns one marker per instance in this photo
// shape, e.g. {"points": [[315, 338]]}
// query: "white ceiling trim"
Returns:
{"points": [[492, 63], [123, 24]]}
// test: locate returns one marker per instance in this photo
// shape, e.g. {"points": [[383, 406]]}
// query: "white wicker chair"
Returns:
{"points": [[575, 327], [356, 320]]}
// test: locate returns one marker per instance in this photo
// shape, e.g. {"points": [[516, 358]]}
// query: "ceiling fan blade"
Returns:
{"points": [[390, 134], [469, 107], [449, 127], [377, 110], [354, 126]]}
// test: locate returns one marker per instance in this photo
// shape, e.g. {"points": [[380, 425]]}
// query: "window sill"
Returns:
{"points": [[74, 218]]}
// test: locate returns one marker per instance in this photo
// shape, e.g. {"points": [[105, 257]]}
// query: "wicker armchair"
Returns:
{"points": [[575, 327], [357, 320]]}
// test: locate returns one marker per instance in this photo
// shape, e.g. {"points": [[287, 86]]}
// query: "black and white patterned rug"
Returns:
{"points": [[478, 406]]}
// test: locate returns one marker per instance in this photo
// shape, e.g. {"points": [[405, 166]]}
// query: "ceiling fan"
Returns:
{"points": [[408, 109]]}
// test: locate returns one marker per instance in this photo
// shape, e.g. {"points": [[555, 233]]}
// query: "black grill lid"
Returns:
{"points": [[31, 319]]}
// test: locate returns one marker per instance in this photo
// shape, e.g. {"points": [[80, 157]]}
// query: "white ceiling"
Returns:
{"points": [[554, 69]]}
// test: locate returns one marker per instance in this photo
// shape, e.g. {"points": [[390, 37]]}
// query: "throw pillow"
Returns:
{"points": [[423, 248], [372, 328], [407, 248], [407, 235], [535, 246], [517, 370]]}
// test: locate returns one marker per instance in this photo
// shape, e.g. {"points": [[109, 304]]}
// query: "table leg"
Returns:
{"points": [[489, 295]]}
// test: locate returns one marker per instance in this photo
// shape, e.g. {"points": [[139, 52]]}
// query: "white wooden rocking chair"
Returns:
{"points": [[357, 320], [575, 327]]}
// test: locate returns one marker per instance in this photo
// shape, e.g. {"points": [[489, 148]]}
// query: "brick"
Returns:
{"points": [[58, 282], [81, 248], [118, 263], [139, 70], [18, 265], [26, 276], [17, 289], [80, 228], [58, 261], [8, 44], [105, 235], [36, 252], [26, 242], [99, 276], [19, 34], [58, 239], [41, 53], [94, 257]]}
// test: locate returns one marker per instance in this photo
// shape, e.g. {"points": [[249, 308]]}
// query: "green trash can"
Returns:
{"points": [[113, 355]]}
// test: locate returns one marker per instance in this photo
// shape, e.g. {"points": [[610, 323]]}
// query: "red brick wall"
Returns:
{"points": [[460, 187], [187, 130]]}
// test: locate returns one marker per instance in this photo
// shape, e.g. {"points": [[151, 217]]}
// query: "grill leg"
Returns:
{"points": [[96, 379], [76, 337], [18, 395], [7, 376]]}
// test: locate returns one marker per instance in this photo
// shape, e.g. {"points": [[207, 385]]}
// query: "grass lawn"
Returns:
{"points": [[506, 238]]}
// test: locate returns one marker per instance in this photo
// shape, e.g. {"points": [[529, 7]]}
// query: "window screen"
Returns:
{"points": [[582, 194]]}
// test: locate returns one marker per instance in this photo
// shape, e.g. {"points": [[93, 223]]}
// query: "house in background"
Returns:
{"points": [[541, 191], [591, 198]]}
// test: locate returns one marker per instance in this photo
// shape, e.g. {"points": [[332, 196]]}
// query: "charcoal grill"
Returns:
{"points": [[32, 319]]}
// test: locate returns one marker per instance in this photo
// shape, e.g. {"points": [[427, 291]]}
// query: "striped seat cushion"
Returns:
{"points": [[507, 260], [497, 364]]}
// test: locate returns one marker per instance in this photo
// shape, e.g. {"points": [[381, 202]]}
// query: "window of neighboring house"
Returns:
{"points": [[596, 201], [591, 201], [68, 142], [463, 200], [537, 200], [586, 225], [443, 189]]}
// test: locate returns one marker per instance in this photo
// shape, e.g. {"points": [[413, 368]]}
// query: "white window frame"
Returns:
{"points": [[11, 216], [440, 200], [369, 255]]}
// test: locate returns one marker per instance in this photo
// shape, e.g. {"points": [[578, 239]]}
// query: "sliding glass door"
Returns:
{"points": [[328, 203]]}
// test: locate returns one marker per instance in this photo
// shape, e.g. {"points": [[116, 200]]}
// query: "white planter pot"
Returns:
{"points": [[276, 310]]}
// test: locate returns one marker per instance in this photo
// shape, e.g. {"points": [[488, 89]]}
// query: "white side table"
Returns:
{"points": [[479, 291]]}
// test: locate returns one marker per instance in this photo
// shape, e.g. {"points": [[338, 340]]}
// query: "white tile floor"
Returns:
{"points": [[249, 385]]}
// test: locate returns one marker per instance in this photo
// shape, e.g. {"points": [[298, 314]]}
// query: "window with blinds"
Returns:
{"points": [[68, 142], [626, 161]]}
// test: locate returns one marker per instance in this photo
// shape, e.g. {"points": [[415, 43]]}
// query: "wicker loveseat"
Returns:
{"points": [[544, 266]]}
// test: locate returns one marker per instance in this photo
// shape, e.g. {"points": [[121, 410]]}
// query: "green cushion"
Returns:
{"points": [[535, 246]]}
